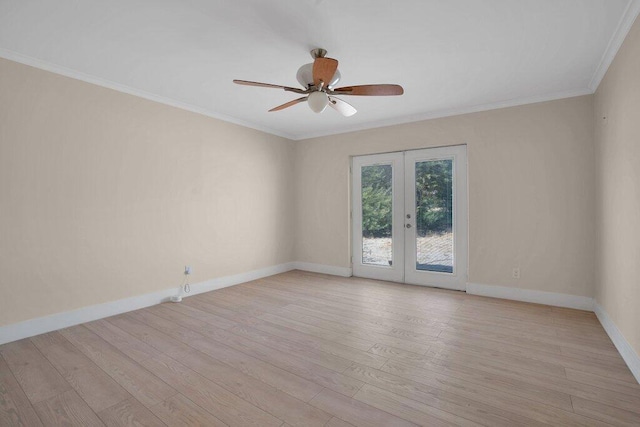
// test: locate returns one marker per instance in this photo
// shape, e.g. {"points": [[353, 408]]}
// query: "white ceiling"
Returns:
{"points": [[451, 56]]}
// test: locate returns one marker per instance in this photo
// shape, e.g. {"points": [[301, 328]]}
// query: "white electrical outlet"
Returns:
{"points": [[187, 269], [516, 273]]}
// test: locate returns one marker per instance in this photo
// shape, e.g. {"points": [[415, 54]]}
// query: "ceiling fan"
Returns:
{"points": [[319, 79]]}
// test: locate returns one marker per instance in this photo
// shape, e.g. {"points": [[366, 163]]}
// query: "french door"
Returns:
{"points": [[410, 217]]}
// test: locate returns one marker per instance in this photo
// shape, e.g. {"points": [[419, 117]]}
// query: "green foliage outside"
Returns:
{"points": [[433, 198], [377, 201]]}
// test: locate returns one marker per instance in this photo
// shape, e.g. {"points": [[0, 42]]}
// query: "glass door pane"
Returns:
{"points": [[377, 209], [434, 215]]}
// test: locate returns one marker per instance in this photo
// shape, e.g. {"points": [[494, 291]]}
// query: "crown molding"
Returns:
{"points": [[626, 22], [68, 72], [453, 112]]}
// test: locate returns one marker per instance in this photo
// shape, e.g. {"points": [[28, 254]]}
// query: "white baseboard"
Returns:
{"points": [[57, 321], [528, 295], [631, 358], [45, 324], [629, 355], [223, 282], [326, 269]]}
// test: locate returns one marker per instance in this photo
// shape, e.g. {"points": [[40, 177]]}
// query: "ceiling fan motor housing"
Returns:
{"points": [[305, 76]]}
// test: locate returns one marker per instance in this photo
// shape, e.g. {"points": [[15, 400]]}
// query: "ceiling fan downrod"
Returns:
{"points": [[318, 53]]}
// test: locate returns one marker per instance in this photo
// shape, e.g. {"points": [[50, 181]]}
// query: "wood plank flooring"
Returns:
{"points": [[304, 349]]}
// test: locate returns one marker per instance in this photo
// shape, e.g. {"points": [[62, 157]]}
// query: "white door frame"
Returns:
{"points": [[458, 279], [394, 272], [403, 268]]}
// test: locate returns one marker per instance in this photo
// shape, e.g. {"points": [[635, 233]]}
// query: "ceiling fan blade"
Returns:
{"points": [[341, 106], [288, 104], [287, 88], [370, 90], [323, 70]]}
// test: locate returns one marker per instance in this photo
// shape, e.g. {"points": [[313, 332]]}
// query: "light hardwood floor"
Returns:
{"points": [[303, 349]]}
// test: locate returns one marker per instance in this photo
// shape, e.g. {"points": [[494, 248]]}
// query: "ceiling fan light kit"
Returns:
{"points": [[319, 79], [318, 101]]}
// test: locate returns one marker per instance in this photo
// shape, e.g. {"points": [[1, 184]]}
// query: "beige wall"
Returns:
{"points": [[618, 213], [105, 196], [531, 197]]}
